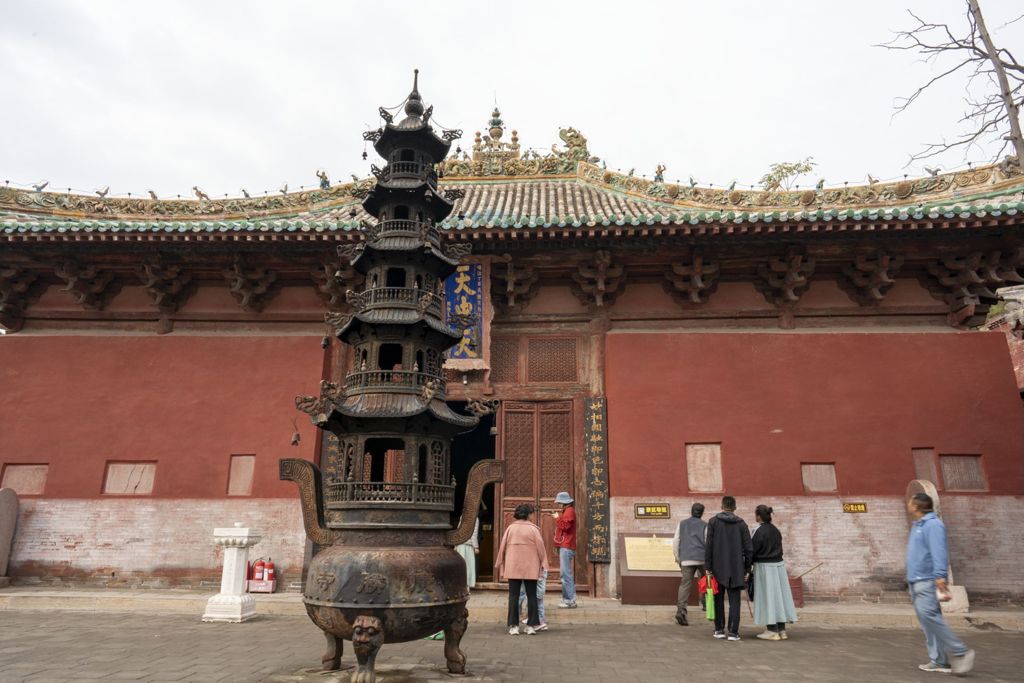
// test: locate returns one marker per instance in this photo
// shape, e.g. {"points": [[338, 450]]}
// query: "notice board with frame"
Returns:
{"points": [[658, 583]]}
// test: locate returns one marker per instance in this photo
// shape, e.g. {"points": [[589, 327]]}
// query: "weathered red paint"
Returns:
{"points": [[187, 402], [861, 400]]}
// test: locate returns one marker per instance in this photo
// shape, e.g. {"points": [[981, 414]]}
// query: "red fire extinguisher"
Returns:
{"points": [[268, 570], [258, 570]]}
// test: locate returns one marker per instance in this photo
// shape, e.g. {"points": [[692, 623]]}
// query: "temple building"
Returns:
{"points": [[642, 343]]}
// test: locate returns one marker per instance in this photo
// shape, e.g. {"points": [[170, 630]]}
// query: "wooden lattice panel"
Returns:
{"points": [[394, 465], [551, 359], [519, 454], [555, 453], [505, 359], [437, 473]]}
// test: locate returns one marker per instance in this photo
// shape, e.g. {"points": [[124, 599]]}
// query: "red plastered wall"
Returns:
{"points": [[186, 402], [773, 401]]}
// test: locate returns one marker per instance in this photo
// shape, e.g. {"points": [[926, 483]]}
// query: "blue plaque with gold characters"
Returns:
{"points": [[464, 310]]}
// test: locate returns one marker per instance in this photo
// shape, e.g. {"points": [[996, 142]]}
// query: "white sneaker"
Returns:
{"points": [[937, 668], [531, 631], [963, 663], [769, 635], [567, 605], [513, 631]]}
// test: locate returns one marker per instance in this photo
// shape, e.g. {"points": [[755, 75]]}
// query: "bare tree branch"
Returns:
{"points": [[990, 115]]}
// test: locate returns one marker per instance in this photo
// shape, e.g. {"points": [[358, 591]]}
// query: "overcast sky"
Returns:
{"points": [[226, 95]]}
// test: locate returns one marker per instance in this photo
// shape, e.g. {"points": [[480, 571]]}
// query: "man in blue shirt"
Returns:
{"points": [[927, 569]]}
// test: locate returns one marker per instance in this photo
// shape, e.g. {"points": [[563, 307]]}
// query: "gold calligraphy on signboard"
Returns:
{"points": [[596, 465], [855, 507]]}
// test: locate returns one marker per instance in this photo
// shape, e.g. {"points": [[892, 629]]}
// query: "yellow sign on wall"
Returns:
{"points": [[649, 554], [855, 507], [652, 511]]}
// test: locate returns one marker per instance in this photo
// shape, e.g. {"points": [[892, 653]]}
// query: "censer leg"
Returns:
{"points": [[331, 660], [367, 637], [452, 637]]}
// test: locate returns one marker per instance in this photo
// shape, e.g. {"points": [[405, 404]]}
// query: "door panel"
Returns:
{"points": [[537, 447], [518, 443]]}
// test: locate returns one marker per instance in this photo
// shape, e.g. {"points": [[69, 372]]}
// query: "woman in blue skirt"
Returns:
{"points": [[773, 601]]}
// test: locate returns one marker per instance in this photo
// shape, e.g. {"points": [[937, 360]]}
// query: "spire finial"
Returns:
{"points": [[414, 105]]}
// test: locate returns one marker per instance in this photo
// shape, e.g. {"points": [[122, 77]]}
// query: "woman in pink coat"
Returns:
{"points": [[521, 560]]}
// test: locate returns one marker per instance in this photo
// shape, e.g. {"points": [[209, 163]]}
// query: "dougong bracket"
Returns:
{"points": [[599, 282], [783, 280], [90, 287], [18, 288], [870, 277], [693, 280]]}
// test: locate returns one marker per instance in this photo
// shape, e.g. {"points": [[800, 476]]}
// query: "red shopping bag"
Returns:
{"points": [[702, 585]]}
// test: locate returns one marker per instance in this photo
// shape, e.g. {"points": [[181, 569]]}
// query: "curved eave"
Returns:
{"points": [[404, 244], [438, 206], [422, 137], [396, 316], [400, 406]]}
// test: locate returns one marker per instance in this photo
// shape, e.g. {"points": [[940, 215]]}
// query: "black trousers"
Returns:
{"points": [[734, 610], [532, 618]]}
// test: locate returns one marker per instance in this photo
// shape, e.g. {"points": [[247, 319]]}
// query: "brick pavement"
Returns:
{"points": [[65, 646]]}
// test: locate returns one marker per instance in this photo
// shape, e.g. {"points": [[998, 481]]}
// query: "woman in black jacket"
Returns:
{"points": [[773, 600]]}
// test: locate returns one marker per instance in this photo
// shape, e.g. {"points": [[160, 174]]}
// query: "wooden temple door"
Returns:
{"points": [[536, 444]]}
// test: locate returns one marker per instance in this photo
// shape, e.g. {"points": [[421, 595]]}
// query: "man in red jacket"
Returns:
{"points": [[565, 541]]}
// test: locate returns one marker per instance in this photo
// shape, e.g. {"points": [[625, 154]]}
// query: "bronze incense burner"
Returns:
{"points": [[384, 568]]}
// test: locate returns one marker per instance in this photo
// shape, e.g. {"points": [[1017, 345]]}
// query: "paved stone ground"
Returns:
{"points": [[78, 646]]}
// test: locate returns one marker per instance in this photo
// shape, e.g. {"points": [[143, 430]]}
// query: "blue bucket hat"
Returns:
{"points": [[563, 498]]}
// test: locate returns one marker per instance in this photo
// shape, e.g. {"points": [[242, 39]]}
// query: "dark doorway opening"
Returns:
{"points": [[389, 357], [467, 450], [378, 455]]}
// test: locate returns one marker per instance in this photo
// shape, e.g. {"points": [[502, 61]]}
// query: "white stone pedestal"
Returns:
{"points": [[233, 604]]}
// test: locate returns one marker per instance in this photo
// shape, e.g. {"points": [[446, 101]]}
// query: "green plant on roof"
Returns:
{"points": [[781, 175]]}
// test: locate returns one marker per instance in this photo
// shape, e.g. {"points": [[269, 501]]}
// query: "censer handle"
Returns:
{"points": [[483, 473], [307, 476]]}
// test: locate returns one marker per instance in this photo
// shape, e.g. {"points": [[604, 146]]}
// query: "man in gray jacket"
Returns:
{"points": [[688, 547]]}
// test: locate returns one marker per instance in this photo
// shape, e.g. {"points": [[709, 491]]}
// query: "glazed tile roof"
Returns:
{"points": [[590, 198]]}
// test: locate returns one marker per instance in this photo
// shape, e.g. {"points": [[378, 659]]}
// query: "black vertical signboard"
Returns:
{"points": [[596, 440]]}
